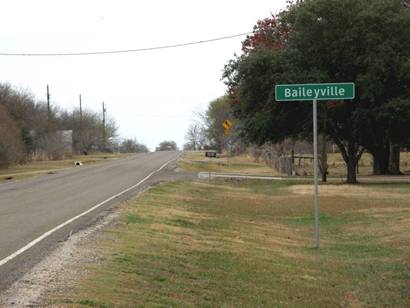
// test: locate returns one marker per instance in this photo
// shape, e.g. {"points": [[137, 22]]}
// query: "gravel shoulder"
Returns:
{"points": [[58, 270]]}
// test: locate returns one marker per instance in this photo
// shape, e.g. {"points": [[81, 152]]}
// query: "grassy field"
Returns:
{"points": [[249, 244], [337, 166], [34, 168], [197, 162]]}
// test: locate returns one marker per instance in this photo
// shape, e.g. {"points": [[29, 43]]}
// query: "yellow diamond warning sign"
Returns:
{"points": [[227, 124]]}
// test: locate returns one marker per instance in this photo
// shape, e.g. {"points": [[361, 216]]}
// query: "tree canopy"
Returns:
{"points": [[29, 128], [131, 145], [167, 145], [361, 41]]}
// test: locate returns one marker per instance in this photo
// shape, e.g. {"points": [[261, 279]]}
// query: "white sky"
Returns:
{"points": [[151, 95]]}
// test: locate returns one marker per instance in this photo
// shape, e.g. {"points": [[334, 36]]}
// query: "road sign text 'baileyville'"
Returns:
{"points": [[318, 91]]}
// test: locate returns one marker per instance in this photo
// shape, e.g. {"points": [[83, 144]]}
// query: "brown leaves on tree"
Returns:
{"points": [[267, 34]]}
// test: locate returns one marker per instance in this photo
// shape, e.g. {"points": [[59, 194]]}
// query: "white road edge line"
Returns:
{"points": [[48, 233]]}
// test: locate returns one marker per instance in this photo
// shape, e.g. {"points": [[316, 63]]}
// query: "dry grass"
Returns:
{"points": [[244, 164], [197, 162], [337, 166], [352, 191], [35, 168], [249, 244]]}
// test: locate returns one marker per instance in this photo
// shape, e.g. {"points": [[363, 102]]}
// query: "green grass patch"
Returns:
{"points": [[135, 219], [249, 244], [181, 223], [330, 221], [403, 188], [91, 303]]}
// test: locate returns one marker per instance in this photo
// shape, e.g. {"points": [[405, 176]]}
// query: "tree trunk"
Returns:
{"points": [[219, 148], [351, 171], [351, 153], [376, 166], [354, 154], [323, 158], [381, 161], [394, 159]]}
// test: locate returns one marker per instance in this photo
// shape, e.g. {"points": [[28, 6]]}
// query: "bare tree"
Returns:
{"points": [[132, 146], [88, 130], [36, 127], [195, 137], [11, 146]]}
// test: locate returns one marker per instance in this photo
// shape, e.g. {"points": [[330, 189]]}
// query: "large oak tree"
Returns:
{"points": [[363, 41]]}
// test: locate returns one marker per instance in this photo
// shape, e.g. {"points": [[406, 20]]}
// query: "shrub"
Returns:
{"points": [[11, 146]]}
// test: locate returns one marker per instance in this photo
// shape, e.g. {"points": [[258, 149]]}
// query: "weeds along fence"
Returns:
{"points": [[283, 165], [282, 158], [275, 157]]}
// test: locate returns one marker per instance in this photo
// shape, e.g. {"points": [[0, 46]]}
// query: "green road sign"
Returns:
{"points": [[314, 92], [311, 91]]}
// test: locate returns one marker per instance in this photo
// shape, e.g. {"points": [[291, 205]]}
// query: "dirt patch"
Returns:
{"points": [[384, 210], [172, 213], [329, 190], [181, 197], [346, 191], [351, 300]]}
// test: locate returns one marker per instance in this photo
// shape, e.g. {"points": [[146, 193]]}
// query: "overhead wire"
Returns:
{"points": [[106, 52]]}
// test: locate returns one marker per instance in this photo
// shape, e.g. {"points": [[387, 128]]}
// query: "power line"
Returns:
{"points": [[123, 50], [160, 116]]}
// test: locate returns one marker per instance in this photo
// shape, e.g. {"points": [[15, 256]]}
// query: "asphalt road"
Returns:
{"points": [[32, 207]]}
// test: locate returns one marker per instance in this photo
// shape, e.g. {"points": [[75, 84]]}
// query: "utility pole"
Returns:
{"points": [[103, 124], [80, 133], [48, 109], [81, 112]]}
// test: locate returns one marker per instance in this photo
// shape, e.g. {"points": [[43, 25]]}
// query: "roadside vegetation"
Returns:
{"points": [[167, 145], [33, 129], [247, 163], [36, 168], [249, 244], [244, 164], [310, 43], [37, 137]]}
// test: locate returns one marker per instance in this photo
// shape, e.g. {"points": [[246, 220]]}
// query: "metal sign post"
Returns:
{"points": [[315, 176], [209, 169], [315, 92], [210, 154], [227, 125]]}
